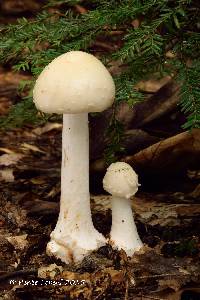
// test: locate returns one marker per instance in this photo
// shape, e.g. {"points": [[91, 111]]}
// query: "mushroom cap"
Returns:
{"points": [[120, 180], [74, 82]]}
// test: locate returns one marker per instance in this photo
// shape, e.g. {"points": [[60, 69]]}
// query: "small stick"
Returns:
{"points": [[17, 273]]}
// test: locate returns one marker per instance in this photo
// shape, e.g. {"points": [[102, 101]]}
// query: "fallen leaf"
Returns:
{"points": [[46, 128], [170, 283], [116, 275], [55, 190], [10, 159], [8, 151], [49, 271], [151, 85], [26, 147], [38, 180], [19, 242], [7, 175]]}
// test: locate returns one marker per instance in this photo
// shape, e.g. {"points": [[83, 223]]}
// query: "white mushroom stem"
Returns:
{"points": [[74, 235], [124, 233], [121, 182]]}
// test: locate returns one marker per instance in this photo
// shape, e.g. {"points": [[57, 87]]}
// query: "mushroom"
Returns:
{"points": [[121, 182], [74, 84]]}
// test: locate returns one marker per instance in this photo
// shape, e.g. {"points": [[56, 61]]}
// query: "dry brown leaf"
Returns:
{"points": [[7, 175], [15, 214], [50, 271], [152, 85], [80, 9], [46, 128], [166, 153], [17, 6], [10, 159], [154, 213], [116, 275], [161, 215], [170, 283], [55, 190], [28, 147], [67, 275], [8, 151], [170, 54], [135, 23], [38, 180], [19, 242]]}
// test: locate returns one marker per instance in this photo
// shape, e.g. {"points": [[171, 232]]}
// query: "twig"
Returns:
{"points": [[116, 32], [17, 273], [126, 291], [149, 297], [161, 275], [184, 140]]}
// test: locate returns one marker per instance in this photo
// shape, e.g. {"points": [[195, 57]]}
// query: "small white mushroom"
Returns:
{"points": [[121, 182], [68, 85]]}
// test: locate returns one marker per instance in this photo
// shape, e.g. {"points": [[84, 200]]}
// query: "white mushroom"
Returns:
{"points": [[121, 182], [74, 84]]}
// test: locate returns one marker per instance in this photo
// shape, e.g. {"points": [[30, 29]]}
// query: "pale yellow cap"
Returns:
{"points": [[74, 82], [120, 180]]}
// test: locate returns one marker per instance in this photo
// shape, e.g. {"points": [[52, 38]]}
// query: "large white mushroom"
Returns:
{"points": [[74, 84], [121, 182]]}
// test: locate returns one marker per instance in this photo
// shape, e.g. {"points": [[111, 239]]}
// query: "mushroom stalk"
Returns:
{"points": [[75, 171], [121, 182], [123, 231], [75, 230]]}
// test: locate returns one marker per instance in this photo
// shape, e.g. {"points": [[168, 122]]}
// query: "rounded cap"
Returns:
{"points": [[120, 180], [74, 82]]}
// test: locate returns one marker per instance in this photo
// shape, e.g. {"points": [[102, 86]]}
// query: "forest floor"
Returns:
{"points": [[167, 219]]}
